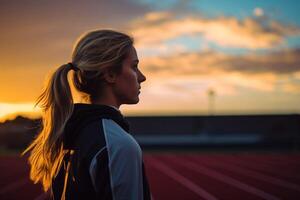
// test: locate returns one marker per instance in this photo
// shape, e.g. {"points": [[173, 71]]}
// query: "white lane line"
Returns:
{"points": [[180, 179], [257, 175], [269, 160], [151, 198], [226, 179], [14, 185], [42, 196], [259, 166], [284, 160]]}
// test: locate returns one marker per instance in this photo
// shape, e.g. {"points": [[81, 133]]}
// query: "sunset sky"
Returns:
{"points": [[247, 52]]}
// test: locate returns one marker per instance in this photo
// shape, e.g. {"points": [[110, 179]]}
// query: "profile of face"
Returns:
{"points": [[127, 83]]}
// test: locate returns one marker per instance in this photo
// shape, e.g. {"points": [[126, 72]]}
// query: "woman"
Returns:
{"points": [[84, 151]]}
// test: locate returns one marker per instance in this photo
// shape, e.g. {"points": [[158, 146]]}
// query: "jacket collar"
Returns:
{"points": [[84, 114]]}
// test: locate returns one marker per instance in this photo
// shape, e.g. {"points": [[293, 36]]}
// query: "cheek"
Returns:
{"points": [[127, 89], [128, 83], [132, 84], [131, 78]]}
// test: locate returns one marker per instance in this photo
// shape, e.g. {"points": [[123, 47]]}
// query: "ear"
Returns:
{"points": [[110, 76]]}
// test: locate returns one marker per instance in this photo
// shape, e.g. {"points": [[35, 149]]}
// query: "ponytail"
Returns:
{"points": [[46, 151], [95, 53]]}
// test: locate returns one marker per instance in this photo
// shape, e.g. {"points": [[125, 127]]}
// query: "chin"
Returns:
{"points": [[133, 101]]}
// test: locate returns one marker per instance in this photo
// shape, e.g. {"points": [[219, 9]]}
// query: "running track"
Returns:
{"points": [[188, 176]]}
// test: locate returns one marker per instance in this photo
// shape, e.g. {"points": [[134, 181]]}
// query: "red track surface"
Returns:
{"points": [[188, 176]]}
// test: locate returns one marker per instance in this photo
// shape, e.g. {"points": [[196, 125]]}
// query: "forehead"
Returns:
{"points": [[132, 56]]}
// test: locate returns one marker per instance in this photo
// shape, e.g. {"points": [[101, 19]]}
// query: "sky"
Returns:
{"points": [[200, 57]]}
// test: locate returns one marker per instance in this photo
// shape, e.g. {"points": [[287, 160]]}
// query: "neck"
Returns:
{"points": [[105, 102], [107, 98]]}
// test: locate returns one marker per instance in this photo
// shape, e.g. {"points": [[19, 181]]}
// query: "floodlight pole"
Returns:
{"points": [[211, 101]]}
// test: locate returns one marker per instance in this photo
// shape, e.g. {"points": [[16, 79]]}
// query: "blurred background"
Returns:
{"points": [[222, 76]]}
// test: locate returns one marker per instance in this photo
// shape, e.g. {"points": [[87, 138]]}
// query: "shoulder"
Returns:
{"points": [[105, 136], [117, 139], [91, 134]]}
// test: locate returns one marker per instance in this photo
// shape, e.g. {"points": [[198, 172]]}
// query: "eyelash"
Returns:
{"points": [[135, 67]]}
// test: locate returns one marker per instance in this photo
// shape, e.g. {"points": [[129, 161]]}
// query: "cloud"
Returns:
{"points": [[227, 73], [40, 32], [291, 88], [155, 17], [37, 36], [280, 62], [158, 27], [210, 62], [69, 14]]}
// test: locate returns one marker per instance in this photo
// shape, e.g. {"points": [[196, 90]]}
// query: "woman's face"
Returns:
{"points": [[128, 82]]}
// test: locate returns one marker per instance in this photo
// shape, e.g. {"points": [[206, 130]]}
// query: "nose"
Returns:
{"points": [[141, 77]]}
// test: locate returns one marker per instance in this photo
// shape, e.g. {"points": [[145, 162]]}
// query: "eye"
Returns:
{"points": [[135, 67]]}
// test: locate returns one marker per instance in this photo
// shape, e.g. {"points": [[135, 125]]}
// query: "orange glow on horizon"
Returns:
{"points": [[9, 111]]}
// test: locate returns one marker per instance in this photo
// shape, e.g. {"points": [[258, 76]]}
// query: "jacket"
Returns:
{"points": [[104, 161]]}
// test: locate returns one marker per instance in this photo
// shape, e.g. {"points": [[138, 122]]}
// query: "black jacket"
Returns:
{"points": [[104, 160]]}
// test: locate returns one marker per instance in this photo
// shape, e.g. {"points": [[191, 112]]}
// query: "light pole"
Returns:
{"points": [[211, 100]]}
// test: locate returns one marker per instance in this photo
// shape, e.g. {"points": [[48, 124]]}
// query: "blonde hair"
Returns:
{"points": [[94, 53]]}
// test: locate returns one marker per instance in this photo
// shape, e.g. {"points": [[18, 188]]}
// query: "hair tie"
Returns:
{"points": [[73, 67]]}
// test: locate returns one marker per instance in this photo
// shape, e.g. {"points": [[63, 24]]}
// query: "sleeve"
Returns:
{"points": [[116, 171], [100, 175], [126, 173]]}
